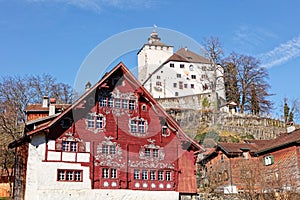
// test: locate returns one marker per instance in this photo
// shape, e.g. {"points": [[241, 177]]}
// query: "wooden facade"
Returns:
{"points": [[125, 139], [255, 166]]}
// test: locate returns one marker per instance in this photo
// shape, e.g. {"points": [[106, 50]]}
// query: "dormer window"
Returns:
{"points": [[268, 160]]}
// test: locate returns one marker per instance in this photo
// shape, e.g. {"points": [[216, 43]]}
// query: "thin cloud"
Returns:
{"points": [[281, 54], [251, 36], [99, 5]]}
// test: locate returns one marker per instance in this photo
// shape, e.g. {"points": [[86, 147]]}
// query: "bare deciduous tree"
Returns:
{"points": [[16, 92], [252, 84]]}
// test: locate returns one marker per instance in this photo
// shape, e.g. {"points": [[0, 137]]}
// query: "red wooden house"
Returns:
{"points": [[115, 141]]}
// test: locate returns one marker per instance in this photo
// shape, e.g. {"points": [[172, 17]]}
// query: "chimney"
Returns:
{"points": [[52, 106], [45, 102]]}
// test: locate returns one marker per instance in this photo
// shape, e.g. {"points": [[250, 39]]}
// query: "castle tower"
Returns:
{"points": [[152, 55]]}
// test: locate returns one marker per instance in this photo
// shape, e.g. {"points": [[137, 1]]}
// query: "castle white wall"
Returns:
{"points": [[196, 74], [150, 58]]}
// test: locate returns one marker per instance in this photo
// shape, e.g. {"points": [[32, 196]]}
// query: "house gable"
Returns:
{"points": [[114, 137]]}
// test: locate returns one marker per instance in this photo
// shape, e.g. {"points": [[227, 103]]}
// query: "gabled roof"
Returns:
{"points": [[258, 147], [133, 81], [185, 55], [39, 107]]}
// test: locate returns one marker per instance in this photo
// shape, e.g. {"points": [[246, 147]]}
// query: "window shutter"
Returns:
{"points": [[272, 159]]}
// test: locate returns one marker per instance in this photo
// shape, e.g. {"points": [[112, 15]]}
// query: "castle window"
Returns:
{"points": [[172, 65], [118, 103], [180, 85]]}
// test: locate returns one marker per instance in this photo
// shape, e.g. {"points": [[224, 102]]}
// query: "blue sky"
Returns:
{"points": [[55, 36]]}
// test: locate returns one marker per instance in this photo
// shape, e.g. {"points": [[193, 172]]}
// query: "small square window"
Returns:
{"points": [[192, 86], [185, 85], [155, 153], [172, 65], [176, 94], [178, 75], [181, 65], [105, 173], [158, 77], [174, 85], [193, 76], [160, 175]]}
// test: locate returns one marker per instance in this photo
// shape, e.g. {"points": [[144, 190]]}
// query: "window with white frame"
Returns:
{"points": [[105, 173], [144, 174], [152, 174], [110, 102], [69, 175], [124, 103], [95, 121], [113, 173], [136, 174], [118, 103], [112, 149], [138, 126], [105, 149], [155, 153], [168, 175], [69, 146], [160, 175], [141, 127], [131, 104], [133, 126], [90, 121], [99, 122], [102, 101], [147, 152]]}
